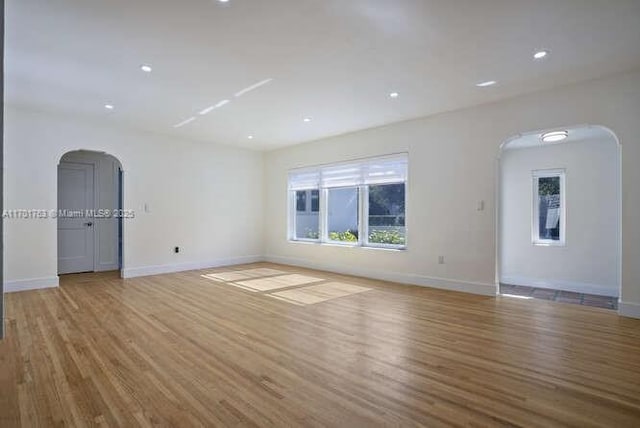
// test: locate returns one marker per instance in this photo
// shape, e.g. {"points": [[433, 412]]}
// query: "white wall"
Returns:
{"points": [[205, 198], [106, 196], [588, 262], [208, 199], [453, 166]]}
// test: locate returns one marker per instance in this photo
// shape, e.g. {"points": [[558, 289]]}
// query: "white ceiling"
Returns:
{"points": [[334, 61]]}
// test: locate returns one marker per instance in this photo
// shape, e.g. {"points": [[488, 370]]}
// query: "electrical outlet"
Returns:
{"points": [[440, 260], [176, 250]]}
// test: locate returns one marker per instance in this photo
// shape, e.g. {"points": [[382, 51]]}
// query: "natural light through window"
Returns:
{"points": [[548, 225], [360, 203]]}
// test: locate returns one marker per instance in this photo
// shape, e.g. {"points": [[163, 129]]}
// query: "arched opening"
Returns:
{"points": [[90, 214], [559, 216]]}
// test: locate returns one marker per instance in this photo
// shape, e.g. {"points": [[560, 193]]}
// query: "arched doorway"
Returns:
{"points": [[90, 225], [559, 216]]}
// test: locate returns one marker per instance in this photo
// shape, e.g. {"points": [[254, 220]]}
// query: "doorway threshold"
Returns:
{"points": [[584, 299]]}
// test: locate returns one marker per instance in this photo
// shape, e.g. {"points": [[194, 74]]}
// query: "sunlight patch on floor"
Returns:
{"points": [[292, 288], [318, 293], [243, 274], [277, 282]]}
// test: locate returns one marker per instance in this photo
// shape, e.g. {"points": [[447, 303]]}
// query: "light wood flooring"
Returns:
{"points": [[272, 345]]}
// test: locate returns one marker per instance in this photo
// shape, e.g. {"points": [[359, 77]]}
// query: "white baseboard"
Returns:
{"points": [[577, 287], [628, 309], [181, 267], [484, 289], [30, 284]]}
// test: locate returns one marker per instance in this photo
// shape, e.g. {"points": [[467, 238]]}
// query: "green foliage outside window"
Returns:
{"points": [[347, 236], [386, 237], [548, 186]]}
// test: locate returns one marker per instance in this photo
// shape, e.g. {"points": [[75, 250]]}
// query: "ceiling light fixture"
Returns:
{"points": [[146, 68], [554, 137], [394, 95], [306, 119], [540, 54], [252, 87], [206, 110], [184, 122], [250, 137], [485, 84], [213, 107], [109, 106]]}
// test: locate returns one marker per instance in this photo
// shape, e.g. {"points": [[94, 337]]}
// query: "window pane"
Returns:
{"points": [[387, 214], [342, 218], [315, 201], [307, 223], [301, 200], [549, 208]]}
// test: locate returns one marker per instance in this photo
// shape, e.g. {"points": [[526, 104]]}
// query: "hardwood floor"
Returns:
{"points": [[220, 347]]}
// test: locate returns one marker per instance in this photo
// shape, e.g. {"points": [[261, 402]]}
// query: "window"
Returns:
{"points": [[548, 226], [301, 200], [386, 214], [358, 203], [315, 201], [342, 214], [307, 220], [307, 201]]}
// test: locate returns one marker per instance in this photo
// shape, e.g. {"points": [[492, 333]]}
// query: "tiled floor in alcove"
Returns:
{"points": [[607, 302]]}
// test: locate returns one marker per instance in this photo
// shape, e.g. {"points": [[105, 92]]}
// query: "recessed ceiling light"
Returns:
{"points": [[485, 84], [540, 54], [146, 68], [223, 1], [394, 95], [554, 137], [109, 106], [250, 137], [307, 119]]}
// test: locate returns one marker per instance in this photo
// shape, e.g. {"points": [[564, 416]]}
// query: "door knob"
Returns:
{"points": [[89, 224]]}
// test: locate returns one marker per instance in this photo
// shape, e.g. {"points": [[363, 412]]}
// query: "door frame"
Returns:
{"points": [[120, 192], [498, 202]]}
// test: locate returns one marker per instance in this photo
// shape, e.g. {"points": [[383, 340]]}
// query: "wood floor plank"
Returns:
{"points": [[185, 350]]}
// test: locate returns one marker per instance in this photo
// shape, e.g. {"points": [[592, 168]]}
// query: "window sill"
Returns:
{"points": [[336, 244], [548, 244]]}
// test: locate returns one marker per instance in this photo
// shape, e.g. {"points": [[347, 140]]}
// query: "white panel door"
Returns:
{"points": [[75, 233]]}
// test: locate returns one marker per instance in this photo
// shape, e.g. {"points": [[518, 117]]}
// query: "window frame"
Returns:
{"points": [[363, 219], [535, 218], [359, 174]]}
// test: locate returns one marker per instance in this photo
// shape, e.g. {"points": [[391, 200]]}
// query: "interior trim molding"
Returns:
{"points": [[31, 284], [629, 309], [574, 286], [181, 267], [483, 289]]}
